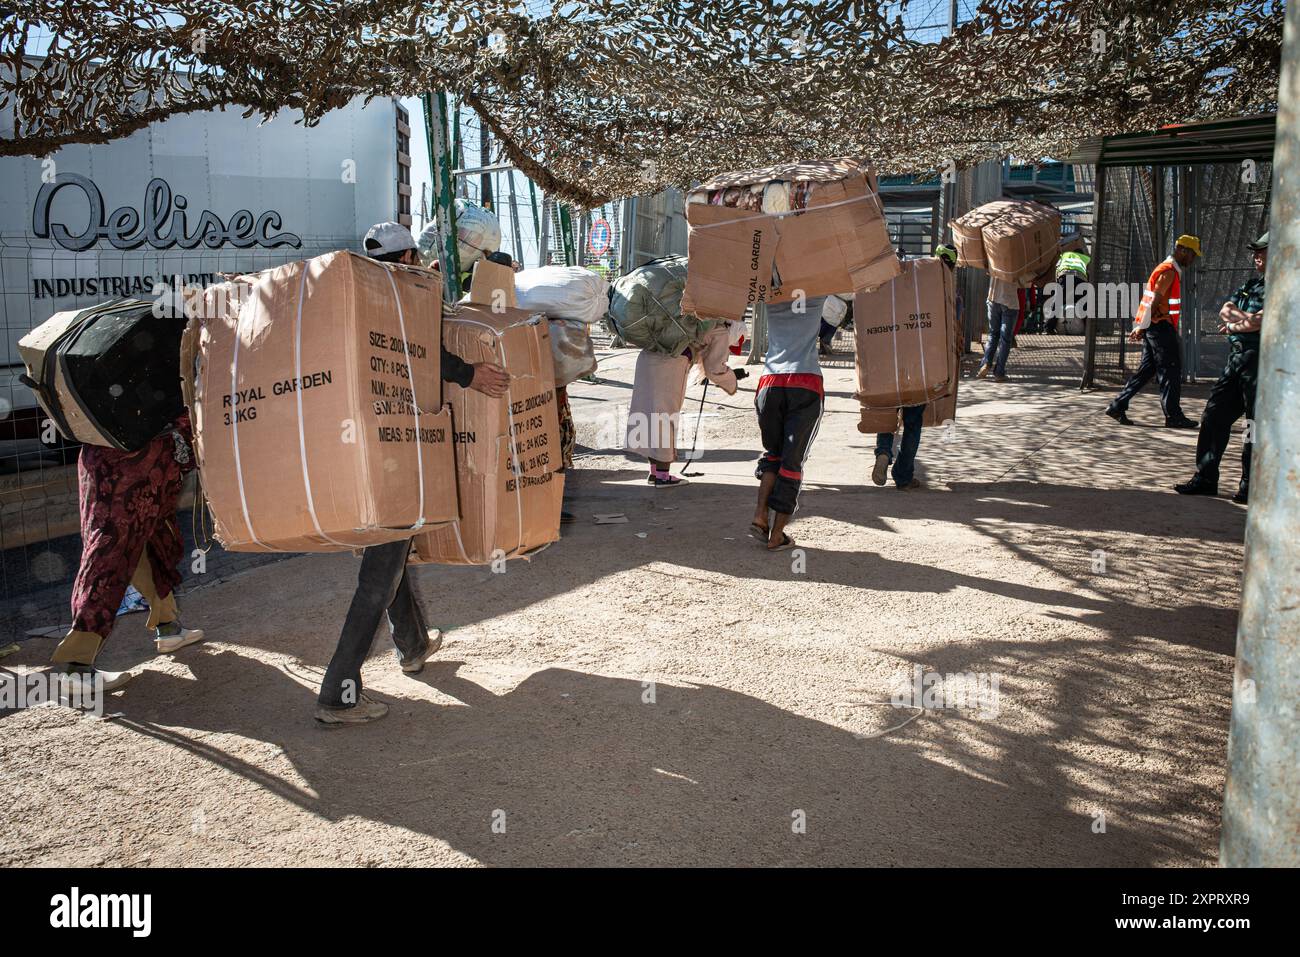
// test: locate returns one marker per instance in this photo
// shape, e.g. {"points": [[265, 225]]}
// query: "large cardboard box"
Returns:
{"points": [[317, 406], [968, 232], [904, 333], [740, 257], [1014, 240], [1022, 242], [507, 449]]}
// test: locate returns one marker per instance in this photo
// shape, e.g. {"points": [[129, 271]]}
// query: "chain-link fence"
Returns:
{"points": [[1142, 211], [1228, 205]]}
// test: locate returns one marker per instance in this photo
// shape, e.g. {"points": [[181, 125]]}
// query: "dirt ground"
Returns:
{"points": [[664, 692]]}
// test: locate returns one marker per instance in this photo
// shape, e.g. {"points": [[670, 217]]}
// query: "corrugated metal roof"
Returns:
{"points": [[1212, 141]]}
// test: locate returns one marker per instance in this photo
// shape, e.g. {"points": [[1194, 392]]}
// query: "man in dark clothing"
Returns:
{"points": [[1234, 394], [1156, 327], [382, 584], [789, 404]]}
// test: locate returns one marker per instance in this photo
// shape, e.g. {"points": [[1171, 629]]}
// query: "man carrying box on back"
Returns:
{"points": [[382, 584], [789, 404]]}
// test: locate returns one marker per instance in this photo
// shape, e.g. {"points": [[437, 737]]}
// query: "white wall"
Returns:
{"points": [[218, 161]]}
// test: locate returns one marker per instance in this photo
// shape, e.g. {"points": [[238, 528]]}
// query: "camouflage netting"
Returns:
{"points": [[606, 98]]}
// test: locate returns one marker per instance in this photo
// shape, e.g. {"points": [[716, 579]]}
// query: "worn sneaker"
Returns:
{"points": [[1196, 487], [1000, 378], [983, 372], [173, 637], [83, 678], [363, 711], [881, 468], [414, 665], [1120, 417], [913, 484]]}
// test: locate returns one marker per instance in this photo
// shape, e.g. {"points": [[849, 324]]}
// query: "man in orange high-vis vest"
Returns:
{"points": [[1156, 327]]}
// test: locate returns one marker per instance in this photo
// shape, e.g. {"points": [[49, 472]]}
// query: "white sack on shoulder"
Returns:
{"points": [[563, 292]]}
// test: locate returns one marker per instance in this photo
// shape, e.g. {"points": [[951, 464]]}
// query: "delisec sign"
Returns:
{"points": [[162, 221]]}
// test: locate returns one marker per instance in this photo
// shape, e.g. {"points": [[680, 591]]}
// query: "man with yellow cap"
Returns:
{"points": [[1156, 327]]}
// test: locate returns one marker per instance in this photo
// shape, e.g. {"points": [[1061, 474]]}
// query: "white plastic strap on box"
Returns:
{"points": [[302, 434], [234, 433], [920, 336], [793, 212], [893, 312], [415, 399]]}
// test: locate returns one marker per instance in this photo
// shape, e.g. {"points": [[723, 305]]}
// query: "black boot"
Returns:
{"points": [[1182, 422], [1196, 486], [1243, 495], [1120, 417]]}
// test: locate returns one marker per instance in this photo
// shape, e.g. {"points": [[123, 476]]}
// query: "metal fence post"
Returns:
{"points": [[1094, 276], [1261, 805]]}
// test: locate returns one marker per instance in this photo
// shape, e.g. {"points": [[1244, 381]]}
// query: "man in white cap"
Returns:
{"points": [[382, 584]]}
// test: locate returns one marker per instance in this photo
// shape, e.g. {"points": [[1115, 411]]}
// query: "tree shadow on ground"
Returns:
{"points": [[587, 773]]}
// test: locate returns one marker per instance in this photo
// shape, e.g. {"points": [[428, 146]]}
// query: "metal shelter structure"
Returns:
{"points": [[1210, 179]]}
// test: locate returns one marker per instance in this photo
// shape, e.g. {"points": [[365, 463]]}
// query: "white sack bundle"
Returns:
{"points": [[563, 292]]}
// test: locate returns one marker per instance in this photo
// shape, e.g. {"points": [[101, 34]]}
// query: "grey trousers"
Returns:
{"points": [[382, 588]]}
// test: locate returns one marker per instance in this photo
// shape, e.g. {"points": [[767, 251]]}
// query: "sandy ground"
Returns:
{"points": [[665, 692]]}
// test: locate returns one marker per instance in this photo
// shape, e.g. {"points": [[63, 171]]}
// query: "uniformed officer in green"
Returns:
{"points": [[1234, 394]]}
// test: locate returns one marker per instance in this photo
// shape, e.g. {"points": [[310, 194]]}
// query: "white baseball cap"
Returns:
{"points": [[384, 238]]}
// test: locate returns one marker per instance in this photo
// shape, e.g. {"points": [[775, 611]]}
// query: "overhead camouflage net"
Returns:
{"points": [[599, 100]]}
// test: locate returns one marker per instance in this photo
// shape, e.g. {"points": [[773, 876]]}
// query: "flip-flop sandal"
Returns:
{"points": [[786, 543], [758, 531]]}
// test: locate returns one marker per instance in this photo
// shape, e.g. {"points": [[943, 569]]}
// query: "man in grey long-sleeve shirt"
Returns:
{"points": [[789, 404]]}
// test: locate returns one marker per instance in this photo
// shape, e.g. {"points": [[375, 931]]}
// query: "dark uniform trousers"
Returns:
{"points": [[1232, 397], [1162, 357]]}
